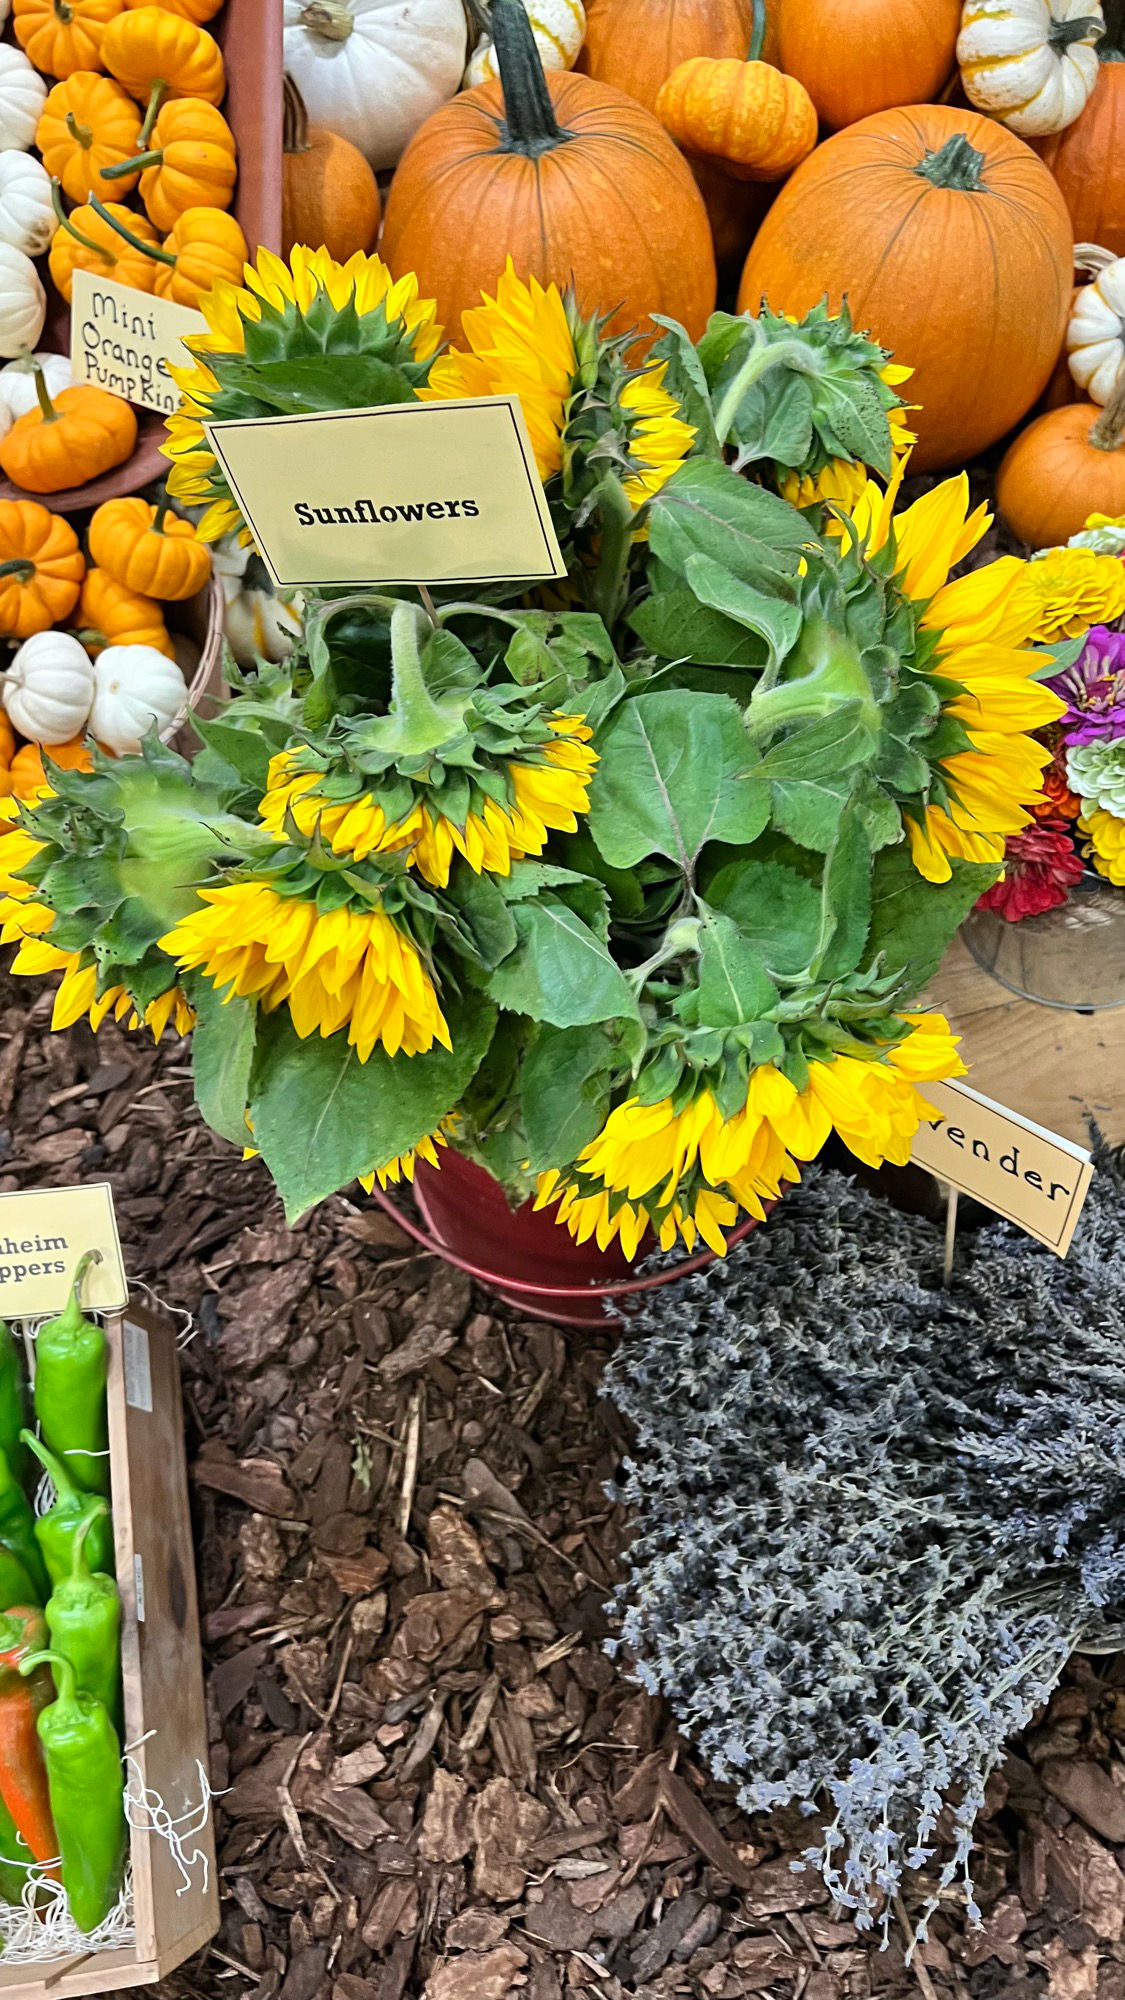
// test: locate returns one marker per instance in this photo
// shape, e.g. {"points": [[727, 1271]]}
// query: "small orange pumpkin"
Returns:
{"points": [[149, 50], [757, 122], [108, 614], [106, 238], [148, 549], [1068, 464], [7, 752], [87, 124], [636, 44], [84, 432], [329, 194], [205, 245], [62, 36], [30, 777], [191, 10], [41, 568], [189, 162]]}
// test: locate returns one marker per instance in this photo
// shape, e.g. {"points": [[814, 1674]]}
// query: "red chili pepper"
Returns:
{"points": [[23, 1777]]}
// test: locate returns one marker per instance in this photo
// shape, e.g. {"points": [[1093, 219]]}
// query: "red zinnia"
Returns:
{"points": [[1041, 866]]}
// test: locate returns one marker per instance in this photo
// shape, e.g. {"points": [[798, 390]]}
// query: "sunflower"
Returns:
{"points": [[841, 483], [401, 1168], [545, 796], [347, 965], [520, 344], [686, 1171], [393, 321], [25, 922], [658, 438]]}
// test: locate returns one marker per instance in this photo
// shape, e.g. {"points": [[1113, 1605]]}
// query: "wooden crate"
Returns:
{"points": [[161, 1664]]}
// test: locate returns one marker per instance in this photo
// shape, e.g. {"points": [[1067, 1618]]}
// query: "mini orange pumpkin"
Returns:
{"points": [[31, 777], [329, 194], [190, 162], [106, 238], [41, 568], [87, 124], [149, 50], [84, 432], [1067, 465], [759, 123], [191, 10], [111, 615], [207, 246], [62, 36], [148, 549]]}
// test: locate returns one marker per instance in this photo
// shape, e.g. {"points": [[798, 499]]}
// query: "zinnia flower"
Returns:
{"points": [[1041, 867], [350, 966], [1094, 688], [1096, 771], [687, 1172], [1105, 844], [1071, 589]]}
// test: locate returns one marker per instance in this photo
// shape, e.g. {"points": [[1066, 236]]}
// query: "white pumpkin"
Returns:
{"points": [[1030, 63], [27, 217], [22, 96], [1095, 334], [49, 688], [17, 378], [559, 28], [23, 302], [373, 70], [259, 624], [134, 686]]}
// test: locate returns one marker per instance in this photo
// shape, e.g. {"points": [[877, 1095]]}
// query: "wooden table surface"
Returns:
{"points": [[1051, 1066]]}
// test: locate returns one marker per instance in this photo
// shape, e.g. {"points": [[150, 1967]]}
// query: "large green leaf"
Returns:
{"points": [[772, 618], [775, 908], [676, 771], [560, 971], [733, 983], [565, 1091], [320, 382], [676, 625], [706, 509], [845, 898], [912, 920], [321, 1117], [222, 1053]]}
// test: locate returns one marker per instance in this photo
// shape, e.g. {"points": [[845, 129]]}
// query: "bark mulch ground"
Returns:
{"points": [[434, 1780]]}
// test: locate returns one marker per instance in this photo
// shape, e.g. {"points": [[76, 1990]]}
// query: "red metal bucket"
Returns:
{"points": [[524, 1256]]}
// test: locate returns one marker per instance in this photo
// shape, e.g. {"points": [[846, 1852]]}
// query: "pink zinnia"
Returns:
{"points": [[1041, 866]]}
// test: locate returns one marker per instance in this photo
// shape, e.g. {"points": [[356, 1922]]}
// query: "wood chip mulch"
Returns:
{"points": [[434, 1780]]}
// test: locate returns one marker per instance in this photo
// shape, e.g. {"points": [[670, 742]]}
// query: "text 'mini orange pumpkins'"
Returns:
{"points": [[636, 44], [576, 182], [952, 245], [856, 57]]}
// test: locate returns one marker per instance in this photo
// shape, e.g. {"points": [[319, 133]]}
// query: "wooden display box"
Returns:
{"points": [[161, 1665]]}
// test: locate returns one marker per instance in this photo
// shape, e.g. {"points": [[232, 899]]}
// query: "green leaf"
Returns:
{"points": [[321, 1117], [565, 1087], [560, 972], [480, 903], [320, 382], [675, 625], [774, 908], [222, 1052], [845, 900], [685, 380], [772, 618], [676, 771], [247, 752], [808, 810], [706, 509], [733, 983], [912, 920]]}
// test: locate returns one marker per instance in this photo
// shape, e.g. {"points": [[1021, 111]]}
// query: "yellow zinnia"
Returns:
{"points": [[348, 966], [1105, 844], [1068, 590]]}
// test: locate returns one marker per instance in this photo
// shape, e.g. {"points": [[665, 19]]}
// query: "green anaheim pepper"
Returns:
{"points": [[86, 1783], [70, 1377]]}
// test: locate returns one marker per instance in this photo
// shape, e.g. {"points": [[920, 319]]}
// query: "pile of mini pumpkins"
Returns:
{"points": [[93, 655], [934, 161], [135, 173]]}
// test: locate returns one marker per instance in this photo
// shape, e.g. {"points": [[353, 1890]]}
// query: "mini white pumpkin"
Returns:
{"points": [[49, 688], [22, 96], [559, 28], [1030, 63], [17, 380], [1095, 334], [27, 217], [259, 624], [373, 70], [23, 302], [134, 686]]}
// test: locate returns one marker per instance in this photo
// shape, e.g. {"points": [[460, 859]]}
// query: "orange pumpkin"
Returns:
{"points": [[575, 181], [329, 194], [149, 49], [108, 239], [735, 210], [147, 549], [859, 56], [189, 162], [110, 615], [7, 752], [87, 124], [30, 776], [191, 10], [951, 243], [84, 432], [757, 122], [41, 568], [1067, 465], [206, 245], [1088, 162], [62, 36], [636, 44]]}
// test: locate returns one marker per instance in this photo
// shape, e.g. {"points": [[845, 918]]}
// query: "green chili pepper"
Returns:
{"points": [[56, 1530], [84, 1621], [17, 1526], [13, 1397], [16, 1586], [87, 1790], [70, 1378]]}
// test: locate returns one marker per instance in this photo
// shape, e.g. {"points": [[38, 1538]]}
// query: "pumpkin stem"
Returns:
{"points": [[295, 120], [88, 635], [47, 409], [530, 126], [81, 134], [330, 18], [757, 32], [158, 519], [79, 235], [135, 242], [1062, 34], [132, 166], [1106, 434], [957, 165], [63, 12], [156, 98], [18, 566]]}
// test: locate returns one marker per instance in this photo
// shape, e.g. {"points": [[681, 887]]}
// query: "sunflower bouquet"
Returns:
{"points": [[626, 886]]}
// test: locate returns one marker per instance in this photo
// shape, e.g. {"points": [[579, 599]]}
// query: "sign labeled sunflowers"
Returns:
{"points": [[623, 884]]}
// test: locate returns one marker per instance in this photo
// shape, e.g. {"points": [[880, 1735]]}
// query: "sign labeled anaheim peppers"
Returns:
{"points": [[1030, 1176], [43, 1233], [422, 493]]}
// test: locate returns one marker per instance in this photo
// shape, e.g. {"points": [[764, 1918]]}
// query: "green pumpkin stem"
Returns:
{"points": [[757, 32], [530, 126], [160, 516], [81, 134], [79, 235], [49, 413], [1108, 432], [1062, 34], [135, 242], [18, 566], [64, 12], [957, 165], [156, 98], [133, 165]]}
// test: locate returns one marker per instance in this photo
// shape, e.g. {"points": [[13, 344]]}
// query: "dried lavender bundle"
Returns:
{"points": [[874, 1517]]}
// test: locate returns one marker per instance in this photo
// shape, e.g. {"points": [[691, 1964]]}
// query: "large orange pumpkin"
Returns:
{"points": [[636, 44], [1067, 465], [1088, 162], [576, 182], [952, 244], [856, 57]]}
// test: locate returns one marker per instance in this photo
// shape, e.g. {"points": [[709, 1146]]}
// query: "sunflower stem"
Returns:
{"points": [[618, 525], [788, 353], [824, 672], [418, 722]]}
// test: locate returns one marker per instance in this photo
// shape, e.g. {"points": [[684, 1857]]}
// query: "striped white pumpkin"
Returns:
{"points": [[1030, 63], [559, 27]]}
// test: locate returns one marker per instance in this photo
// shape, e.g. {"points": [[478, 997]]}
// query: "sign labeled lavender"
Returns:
{"points": [[1030, 1176]]}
